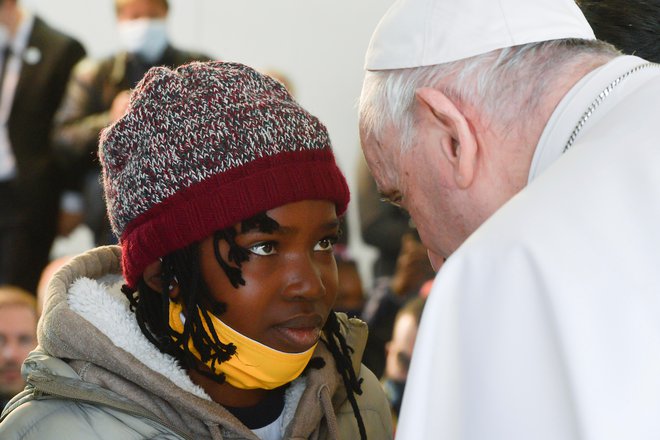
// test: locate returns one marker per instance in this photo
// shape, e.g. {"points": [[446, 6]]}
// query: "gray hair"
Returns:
{"points": [[504, 84]]}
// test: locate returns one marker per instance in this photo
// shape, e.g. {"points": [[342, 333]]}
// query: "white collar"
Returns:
{"points": [[22, 36], [573, 105], [102, 303]]}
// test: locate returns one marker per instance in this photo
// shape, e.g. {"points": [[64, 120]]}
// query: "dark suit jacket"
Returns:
{"points": [[40, 88], [30, 202]]}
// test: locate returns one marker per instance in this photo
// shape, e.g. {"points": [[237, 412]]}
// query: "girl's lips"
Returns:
{"points": [[301, 333], [299, 340]]}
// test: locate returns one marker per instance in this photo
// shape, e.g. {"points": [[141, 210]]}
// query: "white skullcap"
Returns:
{"points": [[417, 33]]}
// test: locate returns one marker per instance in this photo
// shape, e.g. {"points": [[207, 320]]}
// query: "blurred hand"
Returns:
{"points": [[119, 105], [412, 266]]}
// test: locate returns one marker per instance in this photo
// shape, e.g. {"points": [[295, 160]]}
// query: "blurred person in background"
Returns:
{"points": [[399, 351], [46, 276], [382, 225], [413, 270], [18, 327], [633, 26], [35, 64], [97, 95], [350, 294]]}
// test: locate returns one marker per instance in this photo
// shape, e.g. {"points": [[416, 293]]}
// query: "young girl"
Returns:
{"points": [[225, 195]]}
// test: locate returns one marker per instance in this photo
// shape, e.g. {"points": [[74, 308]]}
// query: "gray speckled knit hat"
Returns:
{"points": [[203, 147]]}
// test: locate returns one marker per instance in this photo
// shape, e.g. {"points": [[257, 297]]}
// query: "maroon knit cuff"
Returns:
{"points": [[225, 199]]}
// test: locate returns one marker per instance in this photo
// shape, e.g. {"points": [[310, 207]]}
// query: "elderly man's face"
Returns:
{"points": [[419, 180]]}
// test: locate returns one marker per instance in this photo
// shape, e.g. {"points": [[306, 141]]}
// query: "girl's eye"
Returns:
{"points": [[325, 244], [264, 249]]}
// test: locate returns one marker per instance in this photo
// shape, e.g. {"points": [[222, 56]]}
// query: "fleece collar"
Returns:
{"points": [[104, 306]]}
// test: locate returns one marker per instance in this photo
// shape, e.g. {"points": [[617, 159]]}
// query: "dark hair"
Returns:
{"points": [[151, 310], [121, 3], [631, 25]]}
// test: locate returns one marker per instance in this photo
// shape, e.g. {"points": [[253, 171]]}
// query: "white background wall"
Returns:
{"points": [[320, 45]]}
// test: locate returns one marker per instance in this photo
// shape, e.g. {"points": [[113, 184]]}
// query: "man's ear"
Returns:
{"points": [[460, 146], [152, 276]]}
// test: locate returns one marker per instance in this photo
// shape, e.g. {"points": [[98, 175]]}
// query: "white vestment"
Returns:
{"points": [[545, 323]]}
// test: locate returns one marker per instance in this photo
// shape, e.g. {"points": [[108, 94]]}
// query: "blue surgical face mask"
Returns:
{"points": [[145, 37], [394, 392]]}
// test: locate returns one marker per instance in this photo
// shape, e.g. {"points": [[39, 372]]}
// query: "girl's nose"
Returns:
{"points": [[304, 280]]}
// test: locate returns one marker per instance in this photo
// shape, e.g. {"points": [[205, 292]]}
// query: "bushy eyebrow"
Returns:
{"points": [[259, 223]]}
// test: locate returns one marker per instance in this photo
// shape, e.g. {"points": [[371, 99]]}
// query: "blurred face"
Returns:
{"points": [[135, 9], [18, 325], [400, 348], [419, 181], [290, 278], [8, 15], [350, 297], [3, 13]]}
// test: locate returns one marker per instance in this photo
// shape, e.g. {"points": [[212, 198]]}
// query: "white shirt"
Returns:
{"points": [[12, 74], [545, 323], [273, 431]]}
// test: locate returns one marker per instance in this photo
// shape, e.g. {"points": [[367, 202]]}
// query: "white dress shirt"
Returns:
{"points": [[13, 67]]}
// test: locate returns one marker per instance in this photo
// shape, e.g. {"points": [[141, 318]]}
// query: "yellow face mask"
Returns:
{"points": [[254, 365]]}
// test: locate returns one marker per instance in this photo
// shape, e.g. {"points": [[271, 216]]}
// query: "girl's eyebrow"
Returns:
{"points": [[333, 224], [259, 223], [287, 230]]}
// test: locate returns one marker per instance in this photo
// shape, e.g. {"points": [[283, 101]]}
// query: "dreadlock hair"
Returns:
{"points": [[182, 266], [341, 352], [152, 310]]}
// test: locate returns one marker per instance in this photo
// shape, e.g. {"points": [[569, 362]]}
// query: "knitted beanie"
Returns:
{"points": [[202, 148]]}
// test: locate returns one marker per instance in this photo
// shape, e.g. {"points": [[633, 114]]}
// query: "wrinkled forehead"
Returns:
{"points": [[383, 156], [17, 318]]}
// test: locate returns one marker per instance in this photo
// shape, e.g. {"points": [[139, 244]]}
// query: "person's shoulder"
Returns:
{"points": [[56, 37], [53, 50], [372, 395], [184, 56], [90, 68], [354, 330], [70, 419], [373, 406], [52, 418]]}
